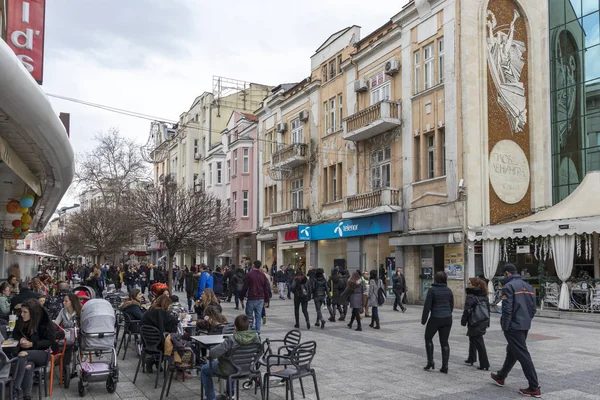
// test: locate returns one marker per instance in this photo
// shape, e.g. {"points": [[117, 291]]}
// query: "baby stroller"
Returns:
{"points": [[97, 334], [84, 293]]}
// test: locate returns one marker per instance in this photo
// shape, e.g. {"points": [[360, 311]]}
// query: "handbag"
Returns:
{"points": [[70, 336]]}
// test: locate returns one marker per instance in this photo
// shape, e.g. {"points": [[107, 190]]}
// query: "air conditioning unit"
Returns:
{"points": [[303, 115], [281, 127], [361, 85], [392, 66], [197, 156]]}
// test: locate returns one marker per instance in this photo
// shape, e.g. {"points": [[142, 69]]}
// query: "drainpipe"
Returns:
{"points": [[355, 143]]}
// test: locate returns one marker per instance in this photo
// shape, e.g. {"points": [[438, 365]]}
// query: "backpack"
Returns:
{"points": [[302, 291], [479, 314], [380, 295]]}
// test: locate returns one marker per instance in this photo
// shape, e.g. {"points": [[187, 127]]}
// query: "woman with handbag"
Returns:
{"points": [[477, 321], [374, 286], [68, 320]]}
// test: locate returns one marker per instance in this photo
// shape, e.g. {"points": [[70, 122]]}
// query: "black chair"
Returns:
{"points": [[5, 366], [152, 341], [290, 341], [119, 323], [299, 366], [42, 374], [172, 368], [131, 328], [228, 329], [244, 360]]}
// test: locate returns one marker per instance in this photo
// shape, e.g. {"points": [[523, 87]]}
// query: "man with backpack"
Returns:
{"points": [[320, 290], [518, 310]]}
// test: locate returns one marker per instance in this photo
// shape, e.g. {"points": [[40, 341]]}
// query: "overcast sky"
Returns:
{"points": [[156, 56]]}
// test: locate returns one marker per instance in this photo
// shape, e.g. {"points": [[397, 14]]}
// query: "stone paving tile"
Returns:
{"points": [[387, 364]]}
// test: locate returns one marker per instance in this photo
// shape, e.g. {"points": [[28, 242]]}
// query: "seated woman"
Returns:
{"points": [[212, 322], [159, 317], [35, 333], [14, 284], [207, 299], [133, 305], [4, 301], [68, 318]]}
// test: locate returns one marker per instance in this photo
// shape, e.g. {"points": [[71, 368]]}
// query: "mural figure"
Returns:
{"points": [[566, 95], [505, 60]]}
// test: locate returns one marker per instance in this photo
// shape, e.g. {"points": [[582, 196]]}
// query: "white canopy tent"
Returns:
{"points": [[34, 253], [578, 214]]}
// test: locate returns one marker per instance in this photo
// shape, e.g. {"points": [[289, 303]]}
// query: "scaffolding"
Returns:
{"points": [[235, 93]]}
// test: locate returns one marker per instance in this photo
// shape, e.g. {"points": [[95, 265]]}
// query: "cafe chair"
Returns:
{"points": [[228, 329], [173, 368], [595, 298], [290, 340], [552, 291], [42, 374], [54, 357], [298, 366], [131, 328], [5, 366], [245, 360], [152, 342]]}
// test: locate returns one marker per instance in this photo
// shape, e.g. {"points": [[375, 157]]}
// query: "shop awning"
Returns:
{"points": [[579, 213], [34, 253], [293, 245]]}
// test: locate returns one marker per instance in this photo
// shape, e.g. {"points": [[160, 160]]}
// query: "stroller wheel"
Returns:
{"points": [[81, 389], [111, 385], [247, 385]]}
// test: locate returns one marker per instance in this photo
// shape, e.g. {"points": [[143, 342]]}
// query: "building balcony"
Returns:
{"points": [[372, 121], [290, 217], [290, 156], [379, 201]]}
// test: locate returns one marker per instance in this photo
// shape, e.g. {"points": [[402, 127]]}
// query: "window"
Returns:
{"points": [[380, 88], [430, 156], [417, 71], [228, 205], [428, 66], [297, 131], [443, 139], [235, 162], [228, 170], [210, 174], [325, 116], [244, 203], [298, 193], [339, 63], [332, 69], [234, 204], [325, 186], [219, 173], [245, 160], [332, 183], [428, 107], [270, 199], [203, 144], [441, 60], [332, 114], [341, 110], [380, 168], [324, 72], [196, 146], [333, 173], [228, 139]]}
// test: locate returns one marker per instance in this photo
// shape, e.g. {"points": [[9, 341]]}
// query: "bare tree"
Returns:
{"points": [[63, 245], [182, 219], [101, 231], [112, 167]]}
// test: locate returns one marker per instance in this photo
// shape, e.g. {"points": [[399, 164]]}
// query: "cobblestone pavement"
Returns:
{"points": [[387, 364]]}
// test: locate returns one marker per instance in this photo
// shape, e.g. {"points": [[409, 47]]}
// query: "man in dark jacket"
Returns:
{"points": [[518, 309], [282, 281], [227, 281], [218, 282], [291, 274], [320, 293], [399, 288], [24, 294]]}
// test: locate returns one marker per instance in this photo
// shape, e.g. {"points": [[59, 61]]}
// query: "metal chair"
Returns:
{"points": [[54, 357], [172, 368], [290, 340], [595, 298], [228, 329], [5, 366], [552, 293], [244, 360], [42, 373], [299, 366], [131, 328], [152, 340]]}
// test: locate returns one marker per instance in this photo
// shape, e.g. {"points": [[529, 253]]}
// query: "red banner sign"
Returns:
{"points": [[25, 33], [290, 235]]}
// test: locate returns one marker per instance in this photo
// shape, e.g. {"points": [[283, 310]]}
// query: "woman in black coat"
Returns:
{"points": [[476, 294], [440, 304]]}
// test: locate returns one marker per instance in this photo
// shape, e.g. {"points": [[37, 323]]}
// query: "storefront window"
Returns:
{"points": [[296, 257], [332, 253], [270, 253], [377, 251]]}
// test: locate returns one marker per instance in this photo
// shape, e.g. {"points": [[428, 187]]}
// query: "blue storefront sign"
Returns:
{"points": [[347, 228]]}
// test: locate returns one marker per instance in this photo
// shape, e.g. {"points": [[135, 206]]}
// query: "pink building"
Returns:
{"points": [[240, 171]]}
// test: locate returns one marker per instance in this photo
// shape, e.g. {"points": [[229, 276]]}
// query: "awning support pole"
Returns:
{"points": [[595, 246]]}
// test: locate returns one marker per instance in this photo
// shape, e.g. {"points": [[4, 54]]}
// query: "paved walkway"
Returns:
{"points": [[387, 364]]}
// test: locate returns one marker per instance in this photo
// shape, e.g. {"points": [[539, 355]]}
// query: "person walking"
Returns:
{"points": [[256, 287], [291, 274], [319, 289], [399, 288], [518, 310], [227, 281], [354, 292], [344, 300], [282, 281], [476, 317], [438, 308], [218, 282], [365, 299], [301, 289], [206, 280], [374, 285], [237, 284]]}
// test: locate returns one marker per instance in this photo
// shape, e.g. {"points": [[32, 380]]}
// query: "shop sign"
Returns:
{"points": [[347, 228], [454, 262], [25, 33], [291, 236]]}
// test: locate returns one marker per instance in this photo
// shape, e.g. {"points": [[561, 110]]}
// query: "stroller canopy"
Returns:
{"points": [[97, 316]]}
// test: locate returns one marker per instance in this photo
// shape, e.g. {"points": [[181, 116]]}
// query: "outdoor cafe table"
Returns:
{"points": [[208, 342]]}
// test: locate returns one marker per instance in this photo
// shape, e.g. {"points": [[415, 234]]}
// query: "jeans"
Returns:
{"points": [[205, 374], [318, 305], [516, 350], [281, 290], [398, 300], [254, 312], [375, 313], [301, 302], [24, 369], [289, 286], [237, 299]]}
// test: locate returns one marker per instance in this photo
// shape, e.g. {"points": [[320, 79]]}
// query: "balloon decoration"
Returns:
{"points": [[17, 223], [16, 231], [26, 201], [13, 207], [26, 219], [24, 227], [23, 210]]}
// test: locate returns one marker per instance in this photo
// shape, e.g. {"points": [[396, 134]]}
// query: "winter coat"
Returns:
{"points": [[133, 309], [336, 287], [281, 276], [399, 282], [518, 304], [161, 319], [237, 281], [373, 291], [4, 305], [130, 278], [320, 288], [25, 294], [291, 274], [43, 338], [354, 292], [297, 287], [66, 321], [191, 283], [474, 295], [217, 282], [222, 351], [439, 302]]}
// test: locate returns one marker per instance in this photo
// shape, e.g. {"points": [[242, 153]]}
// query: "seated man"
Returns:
{"points": [[222, 365]]}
